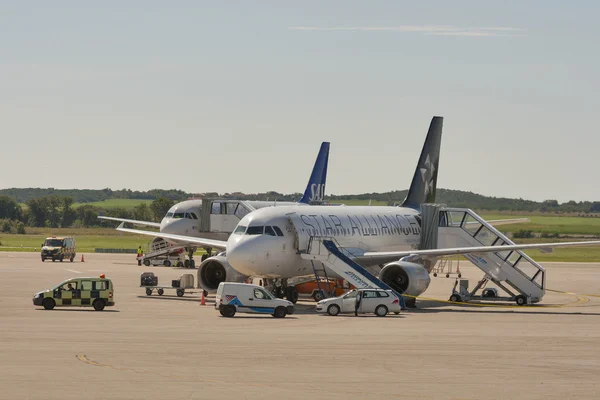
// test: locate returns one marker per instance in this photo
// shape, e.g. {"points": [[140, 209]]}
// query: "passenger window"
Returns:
{"points": [[258, 294], [351, 295], [269, 231], [278, 231], [255, 230], [216, 208], [367, 294], [86, 285], [383, 294], [100, 285]]}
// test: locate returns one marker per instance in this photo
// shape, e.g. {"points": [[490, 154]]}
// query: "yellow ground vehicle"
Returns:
{"points": [[78, 292], [58, 248]]}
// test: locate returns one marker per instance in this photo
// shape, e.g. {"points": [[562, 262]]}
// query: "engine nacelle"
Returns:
{"points": [[406, 277], [215, 270]]}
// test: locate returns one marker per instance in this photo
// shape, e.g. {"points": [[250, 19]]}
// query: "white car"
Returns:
{"points": [[378, 301], [247, 298]]}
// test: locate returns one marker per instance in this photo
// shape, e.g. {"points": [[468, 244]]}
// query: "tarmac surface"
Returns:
{"points": [[173, 348]]}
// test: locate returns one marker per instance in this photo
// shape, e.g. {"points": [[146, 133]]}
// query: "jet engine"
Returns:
{"points": [[215, 270], [406, 277]]}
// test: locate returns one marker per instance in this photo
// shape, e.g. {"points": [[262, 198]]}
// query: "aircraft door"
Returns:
{"points": [[300, 239]]}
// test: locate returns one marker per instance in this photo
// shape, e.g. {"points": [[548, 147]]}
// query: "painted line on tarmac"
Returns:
{"points": [[73, 271]]}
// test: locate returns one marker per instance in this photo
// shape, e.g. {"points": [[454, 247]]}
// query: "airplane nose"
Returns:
{"points": [[242, 256]]}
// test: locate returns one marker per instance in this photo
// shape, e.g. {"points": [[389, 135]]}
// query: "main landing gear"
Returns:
{"points": [[281, 289]]}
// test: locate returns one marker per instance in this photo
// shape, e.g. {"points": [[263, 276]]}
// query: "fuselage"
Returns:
{"points": [[267, 242]]}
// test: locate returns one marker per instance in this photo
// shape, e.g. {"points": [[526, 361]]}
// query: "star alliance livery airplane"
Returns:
{"points": [[270, 242]]}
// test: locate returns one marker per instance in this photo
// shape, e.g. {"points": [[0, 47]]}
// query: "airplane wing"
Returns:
{"points": [[195, 241], [132, 221], [471, 250]]}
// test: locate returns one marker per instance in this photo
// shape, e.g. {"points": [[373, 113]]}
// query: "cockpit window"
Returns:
{"points": [[255, 230], [240, 230], [193, 216], [169, 214], [269, 231], [278, 231], [179, 215]]}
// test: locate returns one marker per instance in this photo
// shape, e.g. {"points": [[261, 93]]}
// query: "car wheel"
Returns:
{"points": [[280, 312], [53, 259], [381, 310], [222, 313], [455, 298], [160, 292], [179, 292], [148, 292], [98, 304], [319, 295], [229, 311], [43, 259], [167, 263], [61, 258], [48, 303], [521, 300], [72, 258], [147, 263], [333, 310]]}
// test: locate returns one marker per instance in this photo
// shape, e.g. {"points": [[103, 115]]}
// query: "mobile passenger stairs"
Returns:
{"points": [[518, 275], [161, 252], [327, 251], [521, 278]]}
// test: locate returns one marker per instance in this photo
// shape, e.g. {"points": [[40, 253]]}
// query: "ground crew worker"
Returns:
{"points": [[140, 253], [357, 304]]}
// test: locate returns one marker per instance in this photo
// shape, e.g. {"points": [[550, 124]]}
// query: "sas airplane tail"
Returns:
{"points": [[315, 190], [424, 182]]}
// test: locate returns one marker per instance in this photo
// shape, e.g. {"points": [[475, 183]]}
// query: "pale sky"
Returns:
{"points": [[238, 95]]}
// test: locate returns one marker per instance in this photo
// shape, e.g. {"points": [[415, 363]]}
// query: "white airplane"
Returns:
{"points": [[219, 217], [268, 242]]}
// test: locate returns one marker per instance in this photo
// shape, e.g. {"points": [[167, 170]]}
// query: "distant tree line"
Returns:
{"points": [[58, 212], [55, 207]]}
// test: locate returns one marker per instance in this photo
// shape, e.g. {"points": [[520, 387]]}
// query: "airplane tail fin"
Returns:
{"points": [[315, 190], [424, 182]]}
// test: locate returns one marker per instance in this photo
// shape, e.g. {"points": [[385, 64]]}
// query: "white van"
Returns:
{"points": [[248, 298]]}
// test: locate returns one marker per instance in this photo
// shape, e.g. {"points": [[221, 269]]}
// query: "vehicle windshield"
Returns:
{"points": [[53, 242], [60, 284]]}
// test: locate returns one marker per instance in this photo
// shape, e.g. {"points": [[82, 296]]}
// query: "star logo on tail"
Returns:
{"points": [[427, 175]]}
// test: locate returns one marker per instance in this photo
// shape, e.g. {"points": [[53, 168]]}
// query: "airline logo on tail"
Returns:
{"points": [[315, 190], [427, 175]]}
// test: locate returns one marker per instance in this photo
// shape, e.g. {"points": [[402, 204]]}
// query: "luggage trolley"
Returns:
{"points": [[149, 281]]}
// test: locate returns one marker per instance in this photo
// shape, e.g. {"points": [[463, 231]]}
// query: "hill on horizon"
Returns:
{"points": [[452, 198]]}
